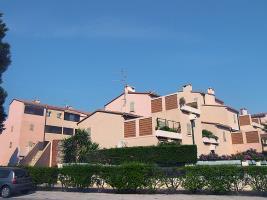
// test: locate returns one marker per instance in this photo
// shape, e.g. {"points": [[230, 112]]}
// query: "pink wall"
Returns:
{"points": [[9, 139], [142, 104]]}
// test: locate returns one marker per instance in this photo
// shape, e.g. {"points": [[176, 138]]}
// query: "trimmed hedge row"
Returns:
{"points": [[43, 175], [132, 177], [163, 155]]}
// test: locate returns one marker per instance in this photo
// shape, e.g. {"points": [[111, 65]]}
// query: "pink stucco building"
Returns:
{"points": [[34, 130], [186, 113], [31, 130]]}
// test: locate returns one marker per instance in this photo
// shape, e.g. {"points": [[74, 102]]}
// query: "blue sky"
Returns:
{"points": [[71, 52]]}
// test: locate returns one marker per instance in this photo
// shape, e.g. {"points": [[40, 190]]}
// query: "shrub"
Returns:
{"points": [[128, 177], [43, 175], [131, 177], [209, 134], [78, 176], [213, 157], [194, 180], [250, 154], [163, 155], [257, 177], [172, 178], [222, 179], [166, 128]]}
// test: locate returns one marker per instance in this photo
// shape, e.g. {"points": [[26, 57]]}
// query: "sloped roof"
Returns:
{"points": [[28, 102], [110, 112], [152, 94], [259, 115]]}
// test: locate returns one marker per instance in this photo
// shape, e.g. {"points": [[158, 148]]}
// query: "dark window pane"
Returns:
{"points": [[53, 129], [4, 173], [68, 131], [71, 117], [34, 110], [19, 173]]}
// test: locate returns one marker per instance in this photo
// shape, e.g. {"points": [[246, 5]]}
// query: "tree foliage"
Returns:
{"points": [[4, 63], [76, 147]]}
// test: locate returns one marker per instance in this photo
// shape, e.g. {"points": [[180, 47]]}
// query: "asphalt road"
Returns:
{"points": [[102, 196]]}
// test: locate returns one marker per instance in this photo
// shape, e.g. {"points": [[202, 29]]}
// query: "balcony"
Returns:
{"points": [[168, 129], [191, 108], [207, 140], [168, 134], [254, 124]]}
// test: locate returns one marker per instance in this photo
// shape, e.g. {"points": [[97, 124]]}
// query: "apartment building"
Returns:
{"points": [[130, 101], [260, 118], [180, 117], [252, 132], [32, 129]]}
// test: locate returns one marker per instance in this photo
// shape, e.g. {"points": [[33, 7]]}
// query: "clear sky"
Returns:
{"points": [[72, 51]]}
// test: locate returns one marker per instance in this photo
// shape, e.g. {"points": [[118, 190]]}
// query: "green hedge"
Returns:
{"points": [[43, 175], [164, 155], [132, 177]]}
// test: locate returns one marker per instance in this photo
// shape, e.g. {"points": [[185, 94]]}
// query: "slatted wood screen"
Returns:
{"points": [[171, 102], [237, 138], [252, 137], [145, 127], [129, 129], [244, 120], [156, 105]]}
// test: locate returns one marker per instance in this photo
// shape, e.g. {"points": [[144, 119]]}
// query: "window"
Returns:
{"points": [[132, 107], [68, 131], [59, 115], [71, 117], [48, 114], [53, 129], [4, 173], [189, 129], [20, 173], [31, 127], [224, 136], [34, 110], [12, 129], [10, 145]]}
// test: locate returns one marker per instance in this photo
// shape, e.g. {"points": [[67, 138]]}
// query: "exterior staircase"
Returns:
{"points": [[36, 158], [35, 154]]}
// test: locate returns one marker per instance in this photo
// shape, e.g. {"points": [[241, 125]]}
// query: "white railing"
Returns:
{"points": [[168, 134], [210, 140], [190, 109], [257, 125]]}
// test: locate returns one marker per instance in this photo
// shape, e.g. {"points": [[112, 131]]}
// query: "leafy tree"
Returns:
{"points": [[76, 147], [4, 63]]}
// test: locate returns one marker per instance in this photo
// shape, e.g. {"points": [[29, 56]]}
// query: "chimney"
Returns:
{"points": [[129, 88], [187, 88], [68, 107], [211, 91], [36, 101], [243, 111]]}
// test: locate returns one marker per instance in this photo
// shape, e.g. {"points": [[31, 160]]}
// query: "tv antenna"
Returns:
{"points": [[123, 81], [123, 78]]}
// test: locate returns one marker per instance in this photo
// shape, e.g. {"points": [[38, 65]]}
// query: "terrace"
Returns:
{"points": [[168, 129]]}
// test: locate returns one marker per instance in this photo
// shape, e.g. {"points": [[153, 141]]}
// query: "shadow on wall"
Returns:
{"points": [[14, 158]]}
